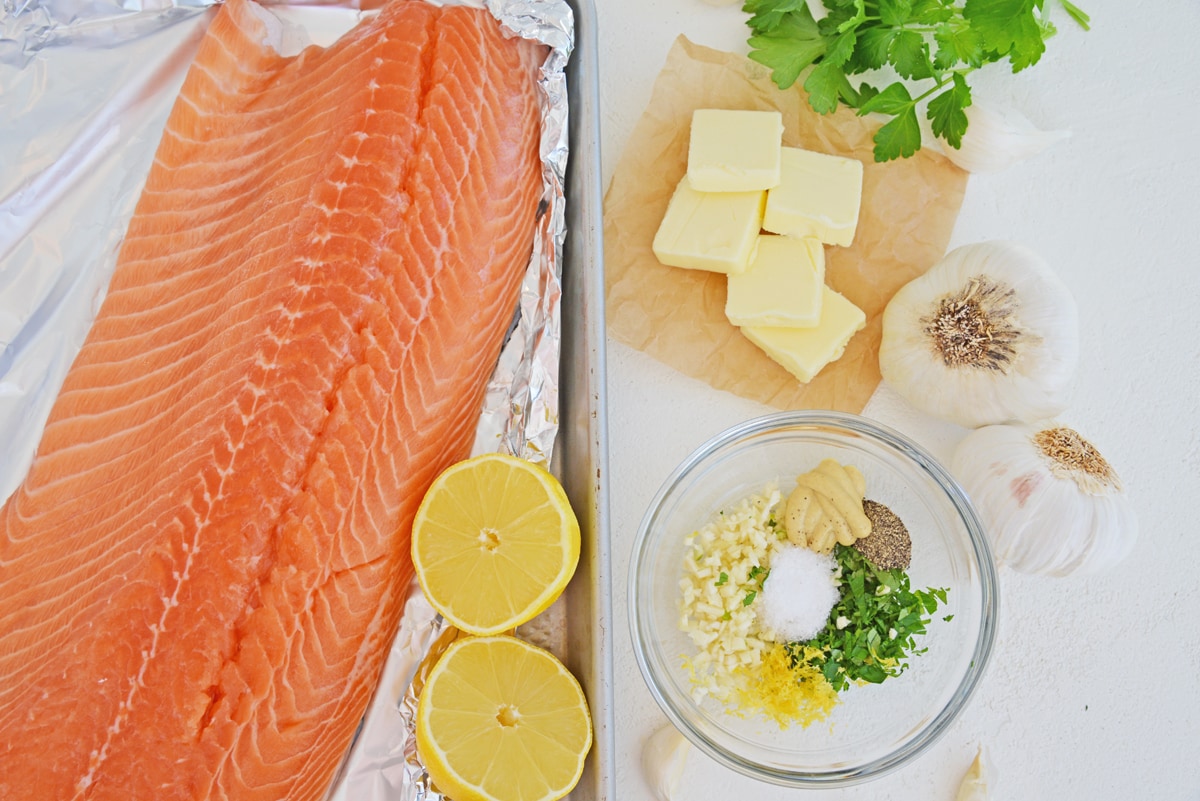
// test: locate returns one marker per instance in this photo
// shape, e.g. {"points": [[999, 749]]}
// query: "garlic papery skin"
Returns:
{"points": [[987, 335], [995, 140], [664, 756], [977, 781], [1050, 503]]}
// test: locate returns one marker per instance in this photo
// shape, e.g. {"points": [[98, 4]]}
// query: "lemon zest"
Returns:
{"points": [[786, 692]]}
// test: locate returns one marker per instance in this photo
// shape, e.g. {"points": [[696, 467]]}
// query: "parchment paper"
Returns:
{"points": [[678, 316]]}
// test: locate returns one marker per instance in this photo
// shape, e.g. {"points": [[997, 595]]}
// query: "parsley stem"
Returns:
{"points": [[946, 78]]}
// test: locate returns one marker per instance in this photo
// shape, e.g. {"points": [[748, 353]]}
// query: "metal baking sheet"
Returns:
{"points": [[581, 458]]}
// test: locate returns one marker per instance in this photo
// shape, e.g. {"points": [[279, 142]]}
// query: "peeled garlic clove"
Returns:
{"points": [[996, 139], [663, 758], [1051, 504], [975, 782], [989, 334]]}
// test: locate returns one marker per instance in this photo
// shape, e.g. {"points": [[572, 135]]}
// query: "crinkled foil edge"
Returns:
{"points": [[520, 412]]}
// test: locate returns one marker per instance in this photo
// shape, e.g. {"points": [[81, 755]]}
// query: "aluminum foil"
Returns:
{"points": [[85, 89]]}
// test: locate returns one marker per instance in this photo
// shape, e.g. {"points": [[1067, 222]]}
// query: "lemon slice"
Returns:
{"points": [[502, 720], [494, 542]]}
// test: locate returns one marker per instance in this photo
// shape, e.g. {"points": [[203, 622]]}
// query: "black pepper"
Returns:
{"points": [[888, 546]]}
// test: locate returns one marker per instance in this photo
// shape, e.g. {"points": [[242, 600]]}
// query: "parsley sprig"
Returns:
{"points": [[933, 44], [882, 617]]}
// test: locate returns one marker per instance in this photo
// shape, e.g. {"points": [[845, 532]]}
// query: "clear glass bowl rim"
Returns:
{"points": [[984, 643]]}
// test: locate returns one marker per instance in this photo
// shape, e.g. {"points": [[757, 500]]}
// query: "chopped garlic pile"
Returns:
{"points": [[722, 580]]}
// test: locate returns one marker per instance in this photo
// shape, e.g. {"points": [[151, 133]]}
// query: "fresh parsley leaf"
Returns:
{"points": [[910, 55], [767, 14], [860, 15], [825, 84], [946, 114], [895, 99], [721, 579], [790, 47], [865, 93], [1027, 56], [957, 45], [894, 13], [931, 12], [749, 599], [872, 47], [841, 49], [1008, 28]]}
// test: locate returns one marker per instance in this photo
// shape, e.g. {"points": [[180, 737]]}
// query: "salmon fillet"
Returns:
{"points": [[201, 574]]}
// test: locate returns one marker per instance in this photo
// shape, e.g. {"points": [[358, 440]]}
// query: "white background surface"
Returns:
{"points": [[1094, 687]]}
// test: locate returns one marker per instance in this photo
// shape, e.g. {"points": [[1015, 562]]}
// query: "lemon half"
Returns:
{"points": [[502, 720], [494, 542]]}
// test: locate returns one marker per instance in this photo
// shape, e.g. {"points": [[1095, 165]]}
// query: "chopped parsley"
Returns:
{"points": [[881, 617]]}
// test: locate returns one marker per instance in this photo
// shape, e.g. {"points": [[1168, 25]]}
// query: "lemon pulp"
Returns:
{"points": [[502, 720], [494, 542]]}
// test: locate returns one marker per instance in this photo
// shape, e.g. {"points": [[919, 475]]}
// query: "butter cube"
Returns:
{"points": [[734, 151], [804, 351], [818, 195], [781, 287], [709, 231]]}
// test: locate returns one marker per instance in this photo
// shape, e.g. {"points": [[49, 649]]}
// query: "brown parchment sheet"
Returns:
{"points": [[677, 316]]}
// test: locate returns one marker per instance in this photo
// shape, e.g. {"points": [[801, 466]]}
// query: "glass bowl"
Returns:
{"points": [[875, 728]]}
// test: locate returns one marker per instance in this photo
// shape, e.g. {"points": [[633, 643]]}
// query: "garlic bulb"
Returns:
{"points": [[1050, 503], [663, 758], [989, 334], [975, 782], [995, 140]]}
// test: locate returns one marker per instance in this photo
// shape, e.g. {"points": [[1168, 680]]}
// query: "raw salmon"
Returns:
{"points": [[200, 576]]}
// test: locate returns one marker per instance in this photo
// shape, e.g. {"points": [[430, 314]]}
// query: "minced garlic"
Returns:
{"points": [[723, 573], [738, 663]]}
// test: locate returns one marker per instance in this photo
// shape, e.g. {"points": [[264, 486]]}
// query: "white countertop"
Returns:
{"points": [[1093, 691]]}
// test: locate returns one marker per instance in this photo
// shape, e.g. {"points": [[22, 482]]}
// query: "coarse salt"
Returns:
{"points": [[798, 594]]}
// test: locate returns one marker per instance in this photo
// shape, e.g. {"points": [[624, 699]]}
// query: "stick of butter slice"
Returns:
{"points": [[803, 352], [734, 151], [781, 287], [818, 195], [712, 231]]}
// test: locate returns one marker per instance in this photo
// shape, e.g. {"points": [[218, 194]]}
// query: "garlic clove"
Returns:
{"points": [[1050, 502], [997, 139], [664, 757], [987, 335], [977, 781]]}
